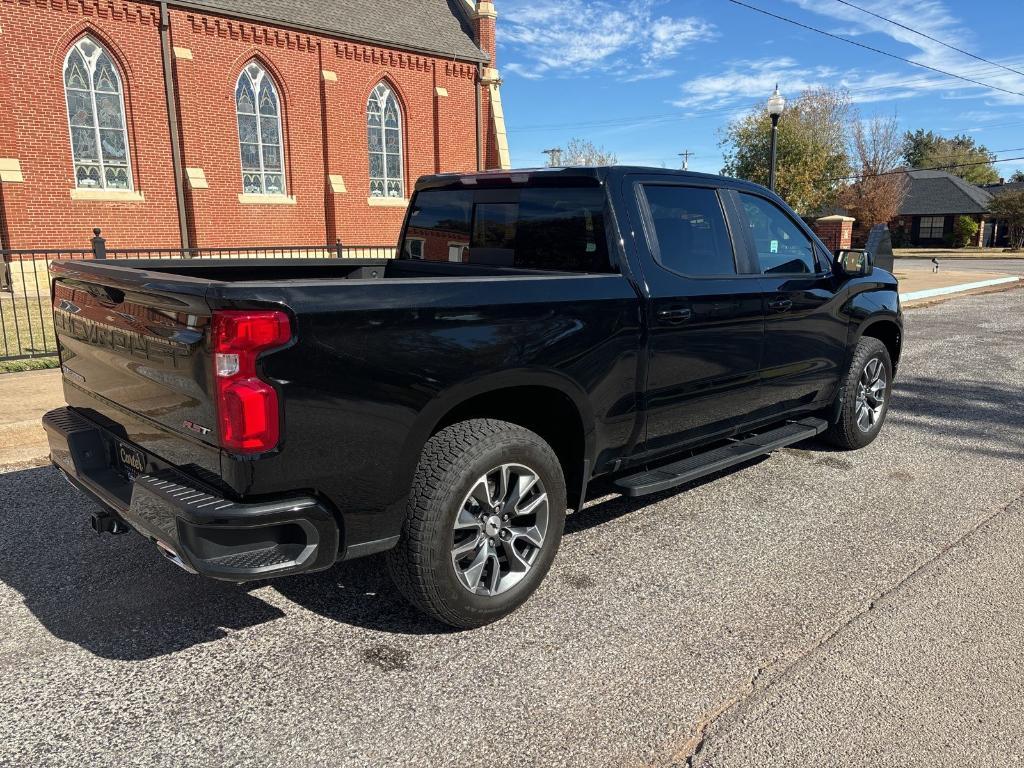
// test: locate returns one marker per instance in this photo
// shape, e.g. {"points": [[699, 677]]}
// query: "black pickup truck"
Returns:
{"points": [[537, 329]]}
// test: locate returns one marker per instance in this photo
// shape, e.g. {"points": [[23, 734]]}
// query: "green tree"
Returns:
{"points": [[960, 155], [1009, 208], [813, 155], [1017, 177], [965, 232]]}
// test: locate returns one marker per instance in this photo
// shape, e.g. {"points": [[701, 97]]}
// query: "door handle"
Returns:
{"points": [[780, 305], [674, 316]]}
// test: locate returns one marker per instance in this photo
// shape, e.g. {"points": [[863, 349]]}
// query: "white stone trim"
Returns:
{"points": [[387, 202], [245, 199], [108, 195]]}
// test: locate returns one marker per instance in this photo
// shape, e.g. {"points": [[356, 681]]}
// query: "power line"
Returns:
{"points": [[990, 151], [702, 115], [871, 48], [665, 116], [861, 177], [933, 39]]}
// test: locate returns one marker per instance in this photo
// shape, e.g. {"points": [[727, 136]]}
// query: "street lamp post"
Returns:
{"points": [[775, 106]]}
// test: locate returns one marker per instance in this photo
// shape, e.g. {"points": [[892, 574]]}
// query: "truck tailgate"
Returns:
{"points": [[137, 340]]}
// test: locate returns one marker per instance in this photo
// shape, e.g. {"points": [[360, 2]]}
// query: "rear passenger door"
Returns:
{"points": [[705, 316], [805, 333]]}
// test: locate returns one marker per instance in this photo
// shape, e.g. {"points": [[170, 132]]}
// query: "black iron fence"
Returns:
{"points": [[26, 319]]}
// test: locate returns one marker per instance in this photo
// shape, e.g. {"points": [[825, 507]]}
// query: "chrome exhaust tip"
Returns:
{"points": [[173, 556]]}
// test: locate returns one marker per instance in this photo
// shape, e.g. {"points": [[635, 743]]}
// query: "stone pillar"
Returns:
{"points": [[835, 231]]}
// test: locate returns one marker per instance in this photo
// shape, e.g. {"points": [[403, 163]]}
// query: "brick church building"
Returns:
{"points": [[217, 123]]}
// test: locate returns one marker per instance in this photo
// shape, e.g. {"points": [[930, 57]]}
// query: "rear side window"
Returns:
{"points": [[560, 229], [692, 237], [782, 247]]}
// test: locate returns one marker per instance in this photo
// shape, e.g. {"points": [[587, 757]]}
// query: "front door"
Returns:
{"points": [[705, 322], [805, 332]]}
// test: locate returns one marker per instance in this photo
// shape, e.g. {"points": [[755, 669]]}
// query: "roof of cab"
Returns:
{"points": [[597, 173]]}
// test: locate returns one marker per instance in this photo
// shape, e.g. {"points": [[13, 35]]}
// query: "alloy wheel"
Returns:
{"points": [[499, 529], [870, 395]]}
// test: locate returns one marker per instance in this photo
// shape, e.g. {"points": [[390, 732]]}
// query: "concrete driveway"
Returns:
{"points": [[813, 608]]}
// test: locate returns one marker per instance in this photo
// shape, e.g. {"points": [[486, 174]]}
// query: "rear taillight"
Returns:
{"points": [[247, 406]]}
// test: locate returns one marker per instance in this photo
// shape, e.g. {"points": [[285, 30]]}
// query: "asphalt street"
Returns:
{"points": [[812, 608]]}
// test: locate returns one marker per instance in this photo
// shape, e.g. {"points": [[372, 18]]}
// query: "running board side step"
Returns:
{"points": [[737, 452]]}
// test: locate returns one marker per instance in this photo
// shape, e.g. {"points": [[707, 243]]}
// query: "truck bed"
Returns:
{"points": [[255, 270]]}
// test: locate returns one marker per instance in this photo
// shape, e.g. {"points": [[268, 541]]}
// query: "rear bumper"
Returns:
{"points": [[199, 530]]}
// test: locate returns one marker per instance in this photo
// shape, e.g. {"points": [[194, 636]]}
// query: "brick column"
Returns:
{"points": [[484, 20], [835, 231]]}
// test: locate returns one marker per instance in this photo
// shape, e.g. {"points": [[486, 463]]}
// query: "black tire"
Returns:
{"points": [[848, 432], [452, 464]]}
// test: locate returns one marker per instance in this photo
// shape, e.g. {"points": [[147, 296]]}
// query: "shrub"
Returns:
{"points": [[965, 232]]}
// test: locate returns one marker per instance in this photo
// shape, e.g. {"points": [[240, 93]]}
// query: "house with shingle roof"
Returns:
{"points": [[933, 202]]}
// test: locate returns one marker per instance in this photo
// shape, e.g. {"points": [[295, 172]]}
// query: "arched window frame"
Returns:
{"points": [[386, 161], [92, 101], [260, 176]]}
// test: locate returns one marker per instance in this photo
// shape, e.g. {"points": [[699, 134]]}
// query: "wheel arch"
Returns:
{"points": [[547, 403], [889, 332]]}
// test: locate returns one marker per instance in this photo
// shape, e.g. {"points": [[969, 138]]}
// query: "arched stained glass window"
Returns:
{"points": [[259, 132], [99, 141], [384, 135]]}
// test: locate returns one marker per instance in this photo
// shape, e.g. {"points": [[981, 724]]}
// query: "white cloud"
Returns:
{"points": [[571, 38], [751, 81], [932, 18]]}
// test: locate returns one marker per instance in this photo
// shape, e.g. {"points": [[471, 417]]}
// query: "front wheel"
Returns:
{"points": [[483, 522], [864, 396]]}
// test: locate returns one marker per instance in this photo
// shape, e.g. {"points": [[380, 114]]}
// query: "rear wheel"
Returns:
{"points": [[865, 396], [483, 522]]}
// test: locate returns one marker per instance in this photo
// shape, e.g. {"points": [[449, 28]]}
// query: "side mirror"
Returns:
{"points": [[853, 263]]}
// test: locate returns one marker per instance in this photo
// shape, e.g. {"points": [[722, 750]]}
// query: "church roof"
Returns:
{"points": [[438, 27]]}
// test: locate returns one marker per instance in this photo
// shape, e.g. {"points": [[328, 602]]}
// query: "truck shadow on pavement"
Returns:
{"points": [[982, 417], [114, 596], [117, 598]]}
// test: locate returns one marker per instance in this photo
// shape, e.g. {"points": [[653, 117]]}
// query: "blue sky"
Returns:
{"points": [[650, 78]]}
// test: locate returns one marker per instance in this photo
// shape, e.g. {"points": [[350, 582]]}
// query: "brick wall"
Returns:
{"points": [[835, 231], [323, 83], [39, 211]]}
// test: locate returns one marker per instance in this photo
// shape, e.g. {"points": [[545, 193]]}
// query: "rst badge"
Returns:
{"points": [[196, 427]]}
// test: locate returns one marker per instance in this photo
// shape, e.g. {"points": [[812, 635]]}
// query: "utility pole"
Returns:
{"points": [[554, 157], [686, 159]]}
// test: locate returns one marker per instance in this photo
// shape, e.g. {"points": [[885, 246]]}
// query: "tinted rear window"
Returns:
{"points": [[690, 229], [534, 228]]}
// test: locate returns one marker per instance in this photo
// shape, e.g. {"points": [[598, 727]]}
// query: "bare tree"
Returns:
{"points": [[583, 152], [876, 196]]}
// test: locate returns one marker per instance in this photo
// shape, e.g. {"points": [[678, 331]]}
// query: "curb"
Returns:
{"points": [[932, 293]]}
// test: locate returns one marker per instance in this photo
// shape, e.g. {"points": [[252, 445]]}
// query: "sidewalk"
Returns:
{"points": [[24, 398], [920, 285]]}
